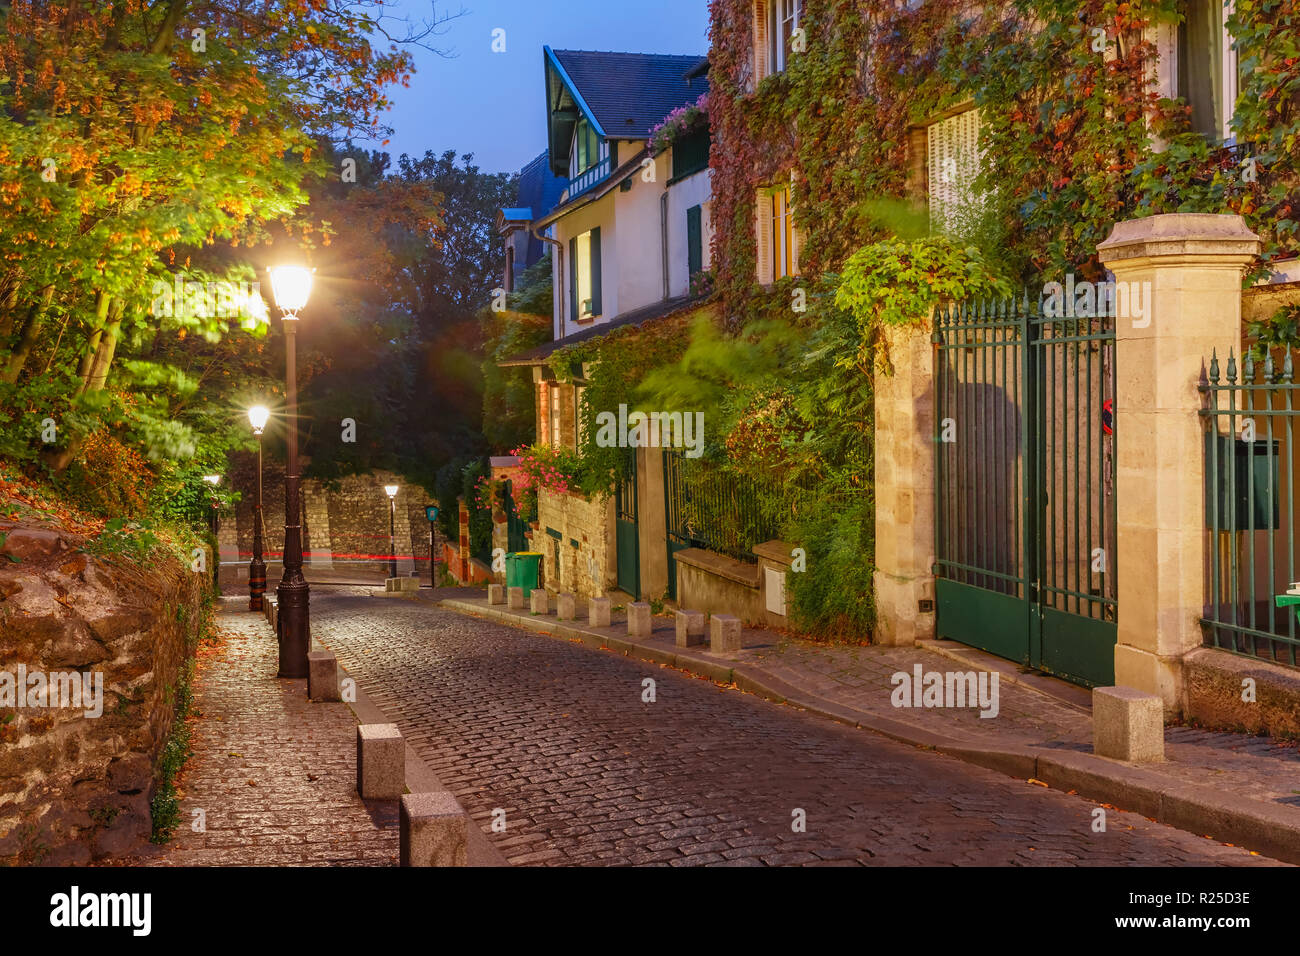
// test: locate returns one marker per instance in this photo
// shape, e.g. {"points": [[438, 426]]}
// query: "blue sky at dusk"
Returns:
{"points": [[493, 104]]}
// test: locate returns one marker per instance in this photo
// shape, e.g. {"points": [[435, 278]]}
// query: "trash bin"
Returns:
{"points": [[522, 569]]}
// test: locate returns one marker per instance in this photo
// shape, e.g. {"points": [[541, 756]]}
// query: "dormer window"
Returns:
{"points": [[586, 148]]}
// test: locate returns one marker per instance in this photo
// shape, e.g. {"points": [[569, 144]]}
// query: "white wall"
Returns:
{"points": [[695, 190], [631, 240]]}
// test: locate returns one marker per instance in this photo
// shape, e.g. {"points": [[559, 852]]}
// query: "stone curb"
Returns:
{"points": [[1204, 811]]}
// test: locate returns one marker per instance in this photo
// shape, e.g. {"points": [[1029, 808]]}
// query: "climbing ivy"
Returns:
{"points": [[1075, 137]]}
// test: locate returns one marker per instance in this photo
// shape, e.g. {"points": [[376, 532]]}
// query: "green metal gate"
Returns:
{"points": [[627, 539], [516, 525], [1025, 541]]}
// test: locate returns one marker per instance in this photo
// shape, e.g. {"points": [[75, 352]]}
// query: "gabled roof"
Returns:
{"points": [[624, 95]]}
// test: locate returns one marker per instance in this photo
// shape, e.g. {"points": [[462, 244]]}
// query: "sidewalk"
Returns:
{"points": [[274, 773], [1236, 788]]}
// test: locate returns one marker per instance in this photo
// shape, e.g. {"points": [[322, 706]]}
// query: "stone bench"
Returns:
{"points": [[381, 761], [434, 830], [496, 594], [539, 601], [515, 597], [598, 612]]}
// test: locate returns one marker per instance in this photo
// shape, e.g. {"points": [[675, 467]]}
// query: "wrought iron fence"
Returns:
{"points": [[1250, 516], [709, 506]]}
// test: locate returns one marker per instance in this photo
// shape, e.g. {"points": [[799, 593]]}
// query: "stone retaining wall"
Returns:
{"points": [[579, 532], [76, 788]]}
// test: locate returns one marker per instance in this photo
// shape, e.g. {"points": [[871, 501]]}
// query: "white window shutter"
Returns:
{"points": [[760, 39], [763, 237]]}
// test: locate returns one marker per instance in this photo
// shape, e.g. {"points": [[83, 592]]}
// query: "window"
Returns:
{"points": [[694, 241], [782, 233], [1207, 68], [775, 23], [778, 240], [584, 276], [587, 148], [783, 15], [554, 390], [510, 265], [952, 163]]}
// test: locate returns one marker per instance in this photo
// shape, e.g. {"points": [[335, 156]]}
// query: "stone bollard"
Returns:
{"points": [[690, 628], [381, 761], [322, 676], [1128, 724], [598, 612], [496, 594], [539, 602], [565, 609], [516, 598], [638, 620], [724, 634], [433, 830]]}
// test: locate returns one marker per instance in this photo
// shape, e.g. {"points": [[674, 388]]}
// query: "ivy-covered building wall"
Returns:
{"points": [[1084, 119]]}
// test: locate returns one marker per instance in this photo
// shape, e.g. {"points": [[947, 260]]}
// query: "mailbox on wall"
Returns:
{"points": [[1252, 479]]}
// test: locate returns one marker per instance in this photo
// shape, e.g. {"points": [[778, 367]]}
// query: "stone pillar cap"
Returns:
{"points": [[1180, 233]]}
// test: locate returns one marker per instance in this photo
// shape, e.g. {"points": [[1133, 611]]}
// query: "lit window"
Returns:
{"points": [[782, 233], [584, 276], [555, 414]]}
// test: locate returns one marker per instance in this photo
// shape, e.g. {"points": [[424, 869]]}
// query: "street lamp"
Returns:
{"points": [[257, 417], [213, 526], [431, 512], [291, 285], [391, 491]]}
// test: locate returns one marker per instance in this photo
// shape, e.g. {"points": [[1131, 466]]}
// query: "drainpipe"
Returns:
{"points": [[557, 325], [663, 237]]}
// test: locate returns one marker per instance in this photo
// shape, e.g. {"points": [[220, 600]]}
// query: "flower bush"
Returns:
{"points": [[683, 120], [546, 467]]}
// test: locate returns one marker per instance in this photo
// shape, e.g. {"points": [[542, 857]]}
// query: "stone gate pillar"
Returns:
{"points": [[1178, 296], [904, 474]]}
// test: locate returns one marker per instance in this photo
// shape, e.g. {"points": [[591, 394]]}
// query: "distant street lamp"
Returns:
{"points": [[291, 285], [431, 512], [257, 417], [391, 491], [214, 526]]}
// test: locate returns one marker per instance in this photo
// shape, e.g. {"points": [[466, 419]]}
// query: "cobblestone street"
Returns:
{"points": [[558, 737]]}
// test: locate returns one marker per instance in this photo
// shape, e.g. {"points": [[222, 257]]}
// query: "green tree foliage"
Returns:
{"points": [[142, 145]]}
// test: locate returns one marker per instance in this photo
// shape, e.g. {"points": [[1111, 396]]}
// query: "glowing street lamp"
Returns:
{"points": [[291, 285], [391, 491], [257, 417]]}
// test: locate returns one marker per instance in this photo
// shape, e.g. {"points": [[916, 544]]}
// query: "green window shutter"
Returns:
{"points": [[595, 271], [694, 241], [573, 280]]}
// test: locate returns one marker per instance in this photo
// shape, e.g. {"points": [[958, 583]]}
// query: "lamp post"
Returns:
{"points": [[214, 527], [391, 491], [257, 417], [291, 285]]}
